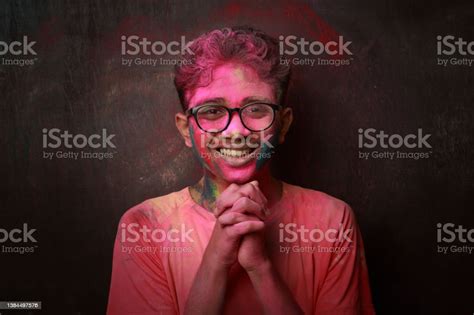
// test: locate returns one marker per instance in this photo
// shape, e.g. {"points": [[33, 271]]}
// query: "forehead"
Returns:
{"points": [[234, 83]]}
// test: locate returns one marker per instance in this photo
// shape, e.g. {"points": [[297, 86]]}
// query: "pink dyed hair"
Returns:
{"points": [[242, 45]]}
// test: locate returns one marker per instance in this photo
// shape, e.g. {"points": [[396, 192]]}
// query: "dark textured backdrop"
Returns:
{"points": [[79, 84]]}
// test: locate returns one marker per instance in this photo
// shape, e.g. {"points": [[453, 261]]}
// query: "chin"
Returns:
{"points": [[239, 176]]}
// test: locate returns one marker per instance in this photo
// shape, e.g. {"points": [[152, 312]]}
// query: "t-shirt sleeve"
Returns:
{"points": [[345, 289], [139, 283]]}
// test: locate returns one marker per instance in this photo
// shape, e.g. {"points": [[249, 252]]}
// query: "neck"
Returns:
{"points": [[206, 191]]}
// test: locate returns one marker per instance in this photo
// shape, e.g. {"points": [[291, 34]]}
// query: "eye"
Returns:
{"points": [[211, 112], [258, 110], [255, 109]]}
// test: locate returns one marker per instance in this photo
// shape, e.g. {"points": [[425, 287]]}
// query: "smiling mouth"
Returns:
{"points": [[236, 153]]}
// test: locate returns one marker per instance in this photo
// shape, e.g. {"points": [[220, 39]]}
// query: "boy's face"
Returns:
{"points": [[235, 154]]}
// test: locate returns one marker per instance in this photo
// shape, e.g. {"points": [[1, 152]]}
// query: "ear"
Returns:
{"points": [[182, 123], [286, 118]]}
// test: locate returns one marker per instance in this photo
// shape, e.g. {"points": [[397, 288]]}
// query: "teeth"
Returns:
{"points": [[234, 153]]}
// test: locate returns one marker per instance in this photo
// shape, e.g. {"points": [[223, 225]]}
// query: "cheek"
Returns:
{"points": [[269, 144], [199, 141]]}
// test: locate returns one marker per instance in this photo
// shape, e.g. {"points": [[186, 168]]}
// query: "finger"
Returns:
{"points": [[227, 198], [234, 192], [253, 191], [266, 211], [247, 206], [245, 227], [229, 218], [256, 184], [226, 202]]}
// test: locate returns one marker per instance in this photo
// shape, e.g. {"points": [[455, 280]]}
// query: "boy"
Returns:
{"points": [[239, 241]]}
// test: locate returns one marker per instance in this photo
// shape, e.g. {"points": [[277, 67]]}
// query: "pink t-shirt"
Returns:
{"points": [[312, 239]]}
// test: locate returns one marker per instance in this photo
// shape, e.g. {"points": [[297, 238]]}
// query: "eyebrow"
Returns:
{"points": [[220, 100], [215, 100]]}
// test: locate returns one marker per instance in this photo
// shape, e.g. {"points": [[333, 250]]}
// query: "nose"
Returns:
{"points": [[236, 127]]}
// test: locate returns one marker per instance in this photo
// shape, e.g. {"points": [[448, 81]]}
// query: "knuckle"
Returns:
{"points": [[241, 202], [245, 226], [250, 189], [246, 202], [233, 186], [231, 216]]}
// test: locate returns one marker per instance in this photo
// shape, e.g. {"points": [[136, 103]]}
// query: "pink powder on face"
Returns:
{"points": [[233, 83], [239, 45]]}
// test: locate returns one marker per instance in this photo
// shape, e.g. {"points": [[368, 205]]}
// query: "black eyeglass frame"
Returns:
{"points": [[193, 112]]}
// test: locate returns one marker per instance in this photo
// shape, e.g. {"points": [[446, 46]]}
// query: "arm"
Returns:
{"points": [[272, 293], [208, 290], [209, 286], [138, 284], [237, 236], [240, 216]]}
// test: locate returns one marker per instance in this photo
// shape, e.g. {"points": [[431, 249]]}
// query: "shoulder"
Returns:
{"points": [[316, 205], [156, 210], [307, 196]]}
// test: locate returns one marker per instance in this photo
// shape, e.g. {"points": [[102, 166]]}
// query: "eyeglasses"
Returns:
{"points": [[255, 116]]}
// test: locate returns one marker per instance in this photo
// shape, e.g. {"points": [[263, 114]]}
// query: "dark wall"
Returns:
{"points": [[393, 83]]}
